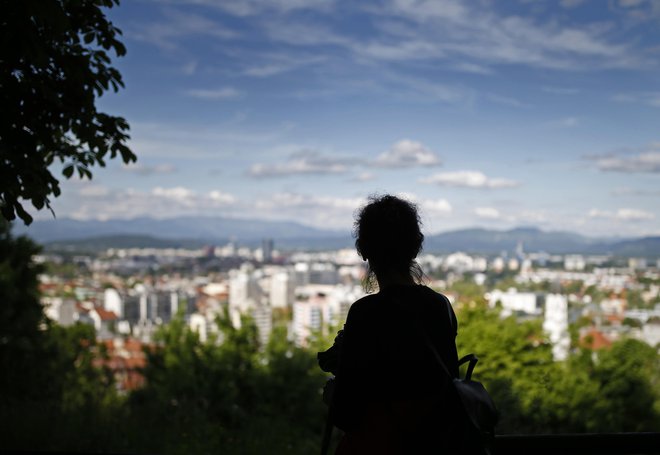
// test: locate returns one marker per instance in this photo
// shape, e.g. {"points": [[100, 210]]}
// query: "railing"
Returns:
{"points": [[587, 444]]}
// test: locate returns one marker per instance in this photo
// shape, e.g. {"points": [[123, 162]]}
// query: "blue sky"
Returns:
{"points": [[494, 114]]}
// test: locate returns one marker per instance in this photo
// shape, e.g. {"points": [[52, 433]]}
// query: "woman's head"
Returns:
{"points": [[387, 233]]}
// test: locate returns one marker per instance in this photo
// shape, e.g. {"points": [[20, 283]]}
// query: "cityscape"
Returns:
{"points": [[126, 294]]}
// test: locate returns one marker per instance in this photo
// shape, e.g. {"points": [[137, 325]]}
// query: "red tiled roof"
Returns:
{"points": [[105, 315], [595, 339]]}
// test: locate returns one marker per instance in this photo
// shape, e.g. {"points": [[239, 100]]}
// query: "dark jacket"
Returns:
{"points": [[388, 379]]}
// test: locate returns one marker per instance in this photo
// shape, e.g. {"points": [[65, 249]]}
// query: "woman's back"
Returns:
{"points": [[389, 383]]}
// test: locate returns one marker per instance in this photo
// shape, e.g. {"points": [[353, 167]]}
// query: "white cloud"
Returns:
{"points": [[273, 64], [436, 206], [455, 29], [215, 140], [646, 161], [490, 213], [468, 179], [178, 193], [407, 153], [244, 8], [473, 68], [167, 34], [94, 202], [634, 215], [363, 177], [142, 169], [222, 93], [91, 190], [597, 213], [328, 212], [622, 214], [224, 198], [303, 162]]}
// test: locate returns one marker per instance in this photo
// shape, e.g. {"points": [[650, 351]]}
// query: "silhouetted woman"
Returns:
{"points": [[390, 393]]}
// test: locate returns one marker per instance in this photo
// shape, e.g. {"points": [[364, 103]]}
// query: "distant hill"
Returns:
{"points": [[193, 232], [487, 241], [491, 241], [646, 247], [203, 229], [102, 243]]}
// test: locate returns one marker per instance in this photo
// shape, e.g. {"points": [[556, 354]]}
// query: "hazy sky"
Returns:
{"points": [[494, 114]]}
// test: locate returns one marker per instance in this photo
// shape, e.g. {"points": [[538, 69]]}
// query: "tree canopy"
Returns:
{"points": [[54, 65]]}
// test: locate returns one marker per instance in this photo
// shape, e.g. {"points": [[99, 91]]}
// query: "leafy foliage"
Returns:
{"points": [[54, 64], [47, 370], [238, 396], [609, 391]]}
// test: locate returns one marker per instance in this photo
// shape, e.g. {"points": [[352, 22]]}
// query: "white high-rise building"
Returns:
{"points": [[307, 318], [312, 315], [112, 301], [513, 301], [574, 262], [555, 323], [263, 319], [281, 290], [244, 290]]}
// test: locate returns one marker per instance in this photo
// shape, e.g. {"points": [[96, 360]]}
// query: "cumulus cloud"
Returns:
{"points": [[407, 153], [303, 162], [224, 198], [99, 202], [489, 213], [436, 206], [468, 179], [646, 161], [622, 214]]}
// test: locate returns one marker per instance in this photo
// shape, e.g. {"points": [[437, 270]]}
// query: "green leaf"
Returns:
{"points": [[68, 171]]}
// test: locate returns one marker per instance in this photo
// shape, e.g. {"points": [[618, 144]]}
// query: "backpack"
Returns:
{"points": [[477, 412]]}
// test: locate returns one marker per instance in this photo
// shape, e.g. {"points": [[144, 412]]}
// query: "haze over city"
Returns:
{"points": [[492, 114]]}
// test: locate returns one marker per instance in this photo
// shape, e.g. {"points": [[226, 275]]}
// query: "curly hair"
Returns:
{"points": [[387, 233]]}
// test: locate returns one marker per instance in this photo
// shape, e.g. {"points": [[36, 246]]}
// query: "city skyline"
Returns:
{"points": [[531, 113]]}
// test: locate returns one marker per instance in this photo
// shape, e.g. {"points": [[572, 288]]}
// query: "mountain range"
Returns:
{"points": [[195, 231]]}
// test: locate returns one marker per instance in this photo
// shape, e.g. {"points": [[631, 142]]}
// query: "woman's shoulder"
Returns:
{"points": [[433, 294], [365, 303]]}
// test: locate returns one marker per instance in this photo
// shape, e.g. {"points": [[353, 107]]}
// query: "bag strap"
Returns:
{"points": [[473, 359], [327, 432]]}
